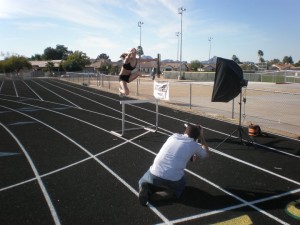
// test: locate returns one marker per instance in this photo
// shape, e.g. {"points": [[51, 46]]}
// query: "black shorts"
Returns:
{"points": [[124, 78]]}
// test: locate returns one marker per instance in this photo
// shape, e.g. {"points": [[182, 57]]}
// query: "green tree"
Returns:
{"points": [[248, 66], [71, 65], [274, 61], [2, 69], [15, 63], [59, 53], [102, 56], [288, 59], [105, 68], [51, 54], [260, 54], [195, 65], [297, 64], [76, 61], [63, 51], [37, 57], [236, 59]]}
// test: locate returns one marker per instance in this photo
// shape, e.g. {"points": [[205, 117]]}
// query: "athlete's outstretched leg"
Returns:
{"points": [[123, 89], [134, 75]]}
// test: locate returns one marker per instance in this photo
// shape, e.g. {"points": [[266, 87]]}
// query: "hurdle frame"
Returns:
{"points": [[132, 102]]}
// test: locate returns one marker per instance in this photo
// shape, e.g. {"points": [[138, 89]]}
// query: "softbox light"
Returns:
{"points": [[228, 80]]}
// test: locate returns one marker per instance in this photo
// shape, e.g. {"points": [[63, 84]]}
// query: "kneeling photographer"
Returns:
{"points": [[165, 178]]}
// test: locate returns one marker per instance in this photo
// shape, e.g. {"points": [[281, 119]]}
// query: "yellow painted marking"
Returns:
{"points": [[242, 220], [292, 210]]}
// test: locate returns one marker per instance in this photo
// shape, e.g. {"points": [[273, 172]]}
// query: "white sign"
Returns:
{"points": [[161, 90]]}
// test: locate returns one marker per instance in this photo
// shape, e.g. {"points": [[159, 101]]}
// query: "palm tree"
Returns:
{"points": [[260, 55], [50, 66], [139, 51]]}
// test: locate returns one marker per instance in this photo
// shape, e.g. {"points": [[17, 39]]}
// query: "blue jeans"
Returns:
{"points": [[158, 184]]}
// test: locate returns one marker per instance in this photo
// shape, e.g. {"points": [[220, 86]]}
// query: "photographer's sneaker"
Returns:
{"points": [[144, 194], [162, 195]]}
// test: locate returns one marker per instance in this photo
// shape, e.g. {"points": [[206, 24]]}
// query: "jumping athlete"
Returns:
{"points": [[128, 72]]}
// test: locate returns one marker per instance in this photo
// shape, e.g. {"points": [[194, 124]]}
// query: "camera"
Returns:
{"points": [[244, 83]]}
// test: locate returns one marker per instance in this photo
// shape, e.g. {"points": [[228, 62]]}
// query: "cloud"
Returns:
{"points": [[88, 13], [35, 25], [111, 26], [98, 42]]}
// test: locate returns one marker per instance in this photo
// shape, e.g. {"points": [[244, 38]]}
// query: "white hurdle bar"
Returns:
{"points": [[123, 103]]}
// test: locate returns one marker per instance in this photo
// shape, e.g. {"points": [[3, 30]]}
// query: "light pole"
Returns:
{"points": [[177, 34], [180, 11], [140, 23], [209, 39]]}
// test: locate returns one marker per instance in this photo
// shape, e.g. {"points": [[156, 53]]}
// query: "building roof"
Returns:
{"points": [[286, 66], [43, 64]]}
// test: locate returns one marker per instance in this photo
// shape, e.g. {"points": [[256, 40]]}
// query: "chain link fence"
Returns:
{"points": [[274, 106]]}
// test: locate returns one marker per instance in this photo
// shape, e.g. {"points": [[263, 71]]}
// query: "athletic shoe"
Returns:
{"points": [[162, 195], [120, 93], [144, 194]]}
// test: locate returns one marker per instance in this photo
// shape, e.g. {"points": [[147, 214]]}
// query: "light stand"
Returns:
{"points": [[239, 129]]}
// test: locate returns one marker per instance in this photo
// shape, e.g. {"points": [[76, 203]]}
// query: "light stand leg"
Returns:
{"points": [[239, 129]]}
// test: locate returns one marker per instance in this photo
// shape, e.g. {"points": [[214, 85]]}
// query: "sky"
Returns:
{"points": [[236, 27]]}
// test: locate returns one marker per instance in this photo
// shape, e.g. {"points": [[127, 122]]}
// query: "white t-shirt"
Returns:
{"points": [[174, 155]]}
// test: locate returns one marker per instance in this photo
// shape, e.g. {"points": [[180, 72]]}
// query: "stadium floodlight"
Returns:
{"points": [[180, 11]]}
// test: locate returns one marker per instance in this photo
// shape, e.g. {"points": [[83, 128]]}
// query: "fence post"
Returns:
{"points": [[108, 82], [190, 95], [137, 86], [232, 115]]}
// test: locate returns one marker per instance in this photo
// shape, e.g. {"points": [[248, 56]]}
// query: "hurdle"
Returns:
{"points": [[124, 103]]}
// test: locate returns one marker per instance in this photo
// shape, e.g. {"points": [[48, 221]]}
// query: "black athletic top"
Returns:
{"points": [[127, 66]]}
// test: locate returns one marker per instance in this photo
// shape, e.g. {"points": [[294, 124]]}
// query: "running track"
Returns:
{"points": [[60, 163]]}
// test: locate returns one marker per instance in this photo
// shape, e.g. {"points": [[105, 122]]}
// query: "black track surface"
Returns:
{"points": [[60, 163]]}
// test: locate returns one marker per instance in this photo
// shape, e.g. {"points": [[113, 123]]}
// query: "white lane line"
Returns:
{"points": [[15, 89], [72, 164], [160, 215], [214, 212], [36, 173], [18, 184], [1, 85], [240, 199], [215, 131], [277, 150], [254, 166], [225, 191], [181, 219], [82, 96], [154, 154], [228, 193], [33, 91], [84, 90], [52, 110], [72, 86], [58, 95], [213, 150], [114, 109], [225, 134], [216, 151]]}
